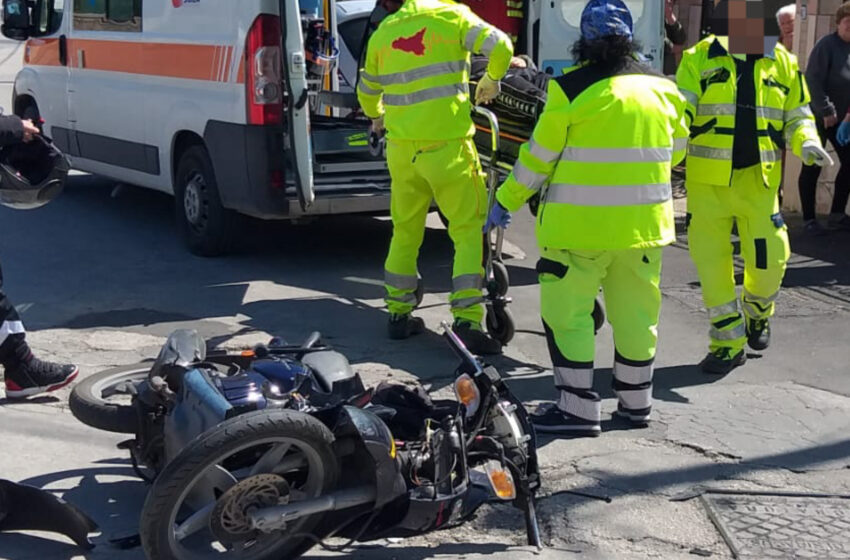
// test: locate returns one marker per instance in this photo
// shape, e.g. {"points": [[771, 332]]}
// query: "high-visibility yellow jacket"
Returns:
{"points": [[601, 154], [707, 77], [417, 69]]}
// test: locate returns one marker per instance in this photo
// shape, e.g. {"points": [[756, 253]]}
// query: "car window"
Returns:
{"points": [[108, 15], [49, 17], [352, 33]]}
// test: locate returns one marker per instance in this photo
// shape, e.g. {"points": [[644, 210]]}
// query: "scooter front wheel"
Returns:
{"points": [[202, 500], [500, 323]]}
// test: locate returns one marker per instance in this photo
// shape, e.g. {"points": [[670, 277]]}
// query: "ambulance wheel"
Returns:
{"points": [[500, 324], [206, 225], [501, 279], [598, 316]]}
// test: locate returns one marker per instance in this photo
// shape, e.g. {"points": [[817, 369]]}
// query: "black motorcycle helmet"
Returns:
{"points": [[31, 173]]}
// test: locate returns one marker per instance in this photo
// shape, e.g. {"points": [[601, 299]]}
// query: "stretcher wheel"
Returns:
{"points": [[500, 324], [534, 204], [501, 279], [420, 292], [598, 316]]}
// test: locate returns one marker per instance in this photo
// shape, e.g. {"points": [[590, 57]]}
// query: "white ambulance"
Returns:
{"points": [[233, 106]]}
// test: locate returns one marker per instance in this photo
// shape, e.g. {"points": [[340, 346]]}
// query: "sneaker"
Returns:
{"points": [[758, 334], [813, 228], [552, 420], [638, 418], [35, 376], [839, 221], [476, 340], [721, 361], [404, 326]]}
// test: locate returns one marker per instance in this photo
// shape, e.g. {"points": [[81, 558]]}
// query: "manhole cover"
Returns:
{"points": [[776, 526]]}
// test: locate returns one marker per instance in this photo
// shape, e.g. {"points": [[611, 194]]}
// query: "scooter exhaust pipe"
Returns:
{"points": [[276, 517]]}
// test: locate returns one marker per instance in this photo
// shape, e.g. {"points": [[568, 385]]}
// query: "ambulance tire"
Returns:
{"points": [[206, 225]]}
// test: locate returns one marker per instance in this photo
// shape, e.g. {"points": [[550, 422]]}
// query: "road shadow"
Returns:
{"points": [[91, 260]]}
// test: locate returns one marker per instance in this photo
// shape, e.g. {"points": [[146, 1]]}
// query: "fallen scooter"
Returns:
{"points": [[245, 451]]}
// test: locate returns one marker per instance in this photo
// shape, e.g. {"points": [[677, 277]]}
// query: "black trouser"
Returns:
{"points": [[11, 328], [809, 177]]}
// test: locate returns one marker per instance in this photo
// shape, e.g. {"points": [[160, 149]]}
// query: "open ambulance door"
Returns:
{"points": [[298, 107], [554, 25]]}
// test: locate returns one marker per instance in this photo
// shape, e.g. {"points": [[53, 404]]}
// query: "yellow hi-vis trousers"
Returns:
{"points": [[569, 283], [712, 211], [448, 172]]}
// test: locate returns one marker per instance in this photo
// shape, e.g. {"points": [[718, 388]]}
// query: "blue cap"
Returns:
{"points": [[603, 18]]}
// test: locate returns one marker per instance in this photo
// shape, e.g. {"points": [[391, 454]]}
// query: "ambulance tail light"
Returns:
{"points": [[263, 83]]}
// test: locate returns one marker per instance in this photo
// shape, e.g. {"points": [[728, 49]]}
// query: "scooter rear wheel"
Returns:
{"points": [[102, 400], [500, 323]]}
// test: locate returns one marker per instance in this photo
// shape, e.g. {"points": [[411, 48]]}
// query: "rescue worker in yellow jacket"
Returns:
{"points": [[744, 107], [601, 156], [416, 84]]}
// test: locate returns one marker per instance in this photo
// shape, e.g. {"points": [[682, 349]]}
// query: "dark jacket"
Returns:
{"points": [[11, 130], [676, 35], [828, 75]]}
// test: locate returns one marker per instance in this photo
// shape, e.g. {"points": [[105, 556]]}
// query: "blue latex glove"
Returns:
{"points": [[499, 217], [843, 133]]}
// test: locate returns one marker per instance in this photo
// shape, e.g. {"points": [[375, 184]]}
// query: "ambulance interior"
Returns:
{"points": [[335, 49]]}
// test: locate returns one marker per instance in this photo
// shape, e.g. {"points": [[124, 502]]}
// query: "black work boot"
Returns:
{"points": [[33, 376], [721, 361], [404, 326], [758, 333], [476, 340]]}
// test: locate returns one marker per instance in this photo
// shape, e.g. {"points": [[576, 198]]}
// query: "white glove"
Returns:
{"points": [[814, 154], [488, 89], [378, 125]]}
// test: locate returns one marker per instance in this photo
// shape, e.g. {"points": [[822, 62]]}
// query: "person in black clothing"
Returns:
{"points": [[828, 75], [25, 375], [675, 35]]}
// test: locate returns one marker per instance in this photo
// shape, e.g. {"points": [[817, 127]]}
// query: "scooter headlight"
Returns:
{"points": [[467, 392], [501, 480]]}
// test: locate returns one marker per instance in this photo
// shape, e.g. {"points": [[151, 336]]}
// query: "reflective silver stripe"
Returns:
{"points": [[635, 400], [461, 303], [803, 112], [491, 41], [592, 195], [583, 408], [572, 377], [401, 281], [422, 72], [364, 75], [717, 311], [401, 100], [680, 144], [472, 36], [367, 90], [709, 153], [690, 96], [528, 178], [541, 152], [733, 334], [716, 109], [467, 282], [768, 156], [408, 299], [770, 113], [755, 306], [618, 155], [633, 375], [791, 128]]}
